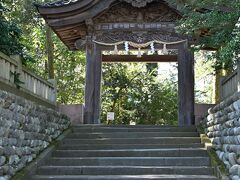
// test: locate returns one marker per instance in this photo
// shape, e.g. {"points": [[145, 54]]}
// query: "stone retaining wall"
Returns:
{"points": [[74, 112], [26, 129], [223, 128]]}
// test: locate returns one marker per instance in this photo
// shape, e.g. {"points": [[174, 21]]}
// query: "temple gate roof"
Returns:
{"points": [[72, 20]]}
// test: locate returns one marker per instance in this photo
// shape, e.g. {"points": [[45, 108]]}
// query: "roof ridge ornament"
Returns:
{"points": [[56, 3], [138, 3]]}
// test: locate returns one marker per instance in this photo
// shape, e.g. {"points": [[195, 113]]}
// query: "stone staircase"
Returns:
{"points": [[128, 152]]}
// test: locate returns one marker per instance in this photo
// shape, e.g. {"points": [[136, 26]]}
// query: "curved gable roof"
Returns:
{"points": [[67, 17]]}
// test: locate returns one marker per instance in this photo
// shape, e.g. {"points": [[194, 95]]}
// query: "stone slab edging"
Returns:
{"points": [[22, 92], [222, 126], [30, 81], [28, 171], [208, 145], [225, 103], [217, 171]]}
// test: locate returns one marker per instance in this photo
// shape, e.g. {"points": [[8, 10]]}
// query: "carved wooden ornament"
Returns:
{"points": [[138, 3]]}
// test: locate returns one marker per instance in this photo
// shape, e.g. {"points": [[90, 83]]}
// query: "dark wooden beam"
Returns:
{"points": [[144, 58], [93, 84], [69, 28], [185, 86]]}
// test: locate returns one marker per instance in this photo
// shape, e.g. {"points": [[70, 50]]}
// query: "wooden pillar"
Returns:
{"points": [[97, 89], [93, 83], [185, 86]]}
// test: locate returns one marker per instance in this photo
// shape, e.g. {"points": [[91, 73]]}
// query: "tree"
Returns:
{"points": [[211, 23], [70, 74], [204, 77], [50, 53], [136, 94], [37, 50], [10, 34]]}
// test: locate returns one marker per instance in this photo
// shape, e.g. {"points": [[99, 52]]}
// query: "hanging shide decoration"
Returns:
{"points": [[139, 55], [115, 51], [152, 48], [126, 47], [165, 51], [140, 46]]}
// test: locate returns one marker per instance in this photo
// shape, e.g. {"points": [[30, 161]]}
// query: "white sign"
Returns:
{"points": [[110, 116]]}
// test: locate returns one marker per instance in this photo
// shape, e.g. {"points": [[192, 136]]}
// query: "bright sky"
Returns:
{"points": [[166, 69]]}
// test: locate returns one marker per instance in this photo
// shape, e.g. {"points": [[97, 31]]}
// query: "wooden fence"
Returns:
{"points": [[12, 71], [230, 84]]}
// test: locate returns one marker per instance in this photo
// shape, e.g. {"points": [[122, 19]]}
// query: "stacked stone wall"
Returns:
{"points": [[223, 128], [26, 129]]}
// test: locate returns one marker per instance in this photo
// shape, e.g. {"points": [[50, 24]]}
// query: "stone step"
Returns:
{"points": [[132, 135], [132, 153], [130, 126], [130, 161], [126, 146], [150, 140], [127, 177], [128, 152], [123, 170], [136, 129]]}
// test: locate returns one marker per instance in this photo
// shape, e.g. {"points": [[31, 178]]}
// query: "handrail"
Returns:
{"points": [[230, 84], [28, 71], [229, 77], [12, 71]]}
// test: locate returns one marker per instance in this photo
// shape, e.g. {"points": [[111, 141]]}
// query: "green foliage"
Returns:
{"points": [[204, 77], [70, 75], [69, 66], [131, 91], [20, 26], [211, 23], [136, 95], [10, 34]]}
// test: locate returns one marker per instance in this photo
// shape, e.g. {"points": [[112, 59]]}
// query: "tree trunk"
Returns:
{"points": [[219, 74], [50, 48]]}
